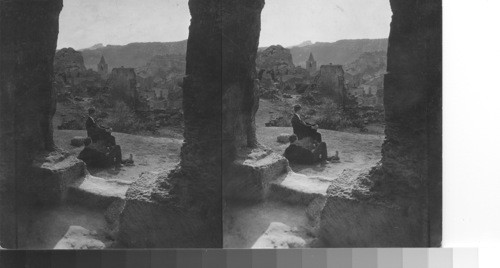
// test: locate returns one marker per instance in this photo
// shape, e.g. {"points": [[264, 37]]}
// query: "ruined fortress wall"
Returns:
{"points": [[331, 81], [28, 40], [123, 83]]}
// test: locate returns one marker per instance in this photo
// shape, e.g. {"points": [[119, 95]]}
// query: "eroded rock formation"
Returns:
{"points": [[412, 152], [27, 100], [189, 199], [69, 63], [404, 194], [275, 57]]}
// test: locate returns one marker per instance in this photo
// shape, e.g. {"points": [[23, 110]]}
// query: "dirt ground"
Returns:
{"points": [[245, 223], [356, 150], [46, 226], [149, 153]]}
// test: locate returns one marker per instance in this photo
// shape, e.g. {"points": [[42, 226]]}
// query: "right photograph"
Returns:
{"points": [[331, 123]]}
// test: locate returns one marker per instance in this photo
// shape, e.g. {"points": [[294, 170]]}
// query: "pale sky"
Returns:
{"points": [[84, 23]]}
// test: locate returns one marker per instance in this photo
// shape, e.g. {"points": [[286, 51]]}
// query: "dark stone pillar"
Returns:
{"points": [[28, 40], [240, 40], [219, 101], [398, 204], [412, 152]]}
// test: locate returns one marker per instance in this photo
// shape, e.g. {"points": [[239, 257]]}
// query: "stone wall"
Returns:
{"points": [[27, 100], [123, 82], [331, 82]]}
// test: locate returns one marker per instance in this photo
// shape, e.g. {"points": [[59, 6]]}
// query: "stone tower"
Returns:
{"points": [[102, 67], [311, 66]]}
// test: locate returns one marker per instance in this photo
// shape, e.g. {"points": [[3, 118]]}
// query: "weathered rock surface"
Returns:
{"points": [[78, 141], [353, 216], [78, 237], [280, 235], [296, 188], [152, 218], [28, 34], [112, 217], [52, 174], [96, 192], [275, 57], [252, 172], [69, 62], [283, 138], [412, 152]]}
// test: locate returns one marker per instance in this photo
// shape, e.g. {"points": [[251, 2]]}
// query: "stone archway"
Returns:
{"points": [[219, 108]]}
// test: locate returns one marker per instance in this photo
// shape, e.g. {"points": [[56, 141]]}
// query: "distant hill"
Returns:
{"points": [[303, 44], [368, 63], [133, 55], [96, 46], [341, 52], [139, 54]]}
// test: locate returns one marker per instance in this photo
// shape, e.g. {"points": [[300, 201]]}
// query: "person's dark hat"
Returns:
{"points": [[297, 107], [91, 110]]}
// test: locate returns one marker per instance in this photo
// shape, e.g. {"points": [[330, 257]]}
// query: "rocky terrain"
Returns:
{"points": [[138, 54], [338, 97], [145, 100]]}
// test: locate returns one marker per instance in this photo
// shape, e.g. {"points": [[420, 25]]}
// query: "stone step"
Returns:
{"points": [[78, 237], [52, 174], [298, 189], [250, 175], [280, 235], [96, 192]]}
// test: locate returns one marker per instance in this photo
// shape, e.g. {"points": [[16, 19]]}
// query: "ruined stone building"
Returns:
{"points": [[102, 67], [123, 84], [331, 81], [311, 65]]}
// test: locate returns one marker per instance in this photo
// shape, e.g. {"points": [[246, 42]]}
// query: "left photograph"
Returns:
{"points": [[110, 124]]}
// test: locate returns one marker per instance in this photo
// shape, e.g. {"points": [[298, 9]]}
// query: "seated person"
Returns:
{"points": [[97, 132], [100, 154], [303, 129], [307, 151]]}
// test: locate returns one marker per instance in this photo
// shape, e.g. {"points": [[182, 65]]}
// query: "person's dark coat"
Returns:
{"points": [[303, 129], [97, 133]]}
